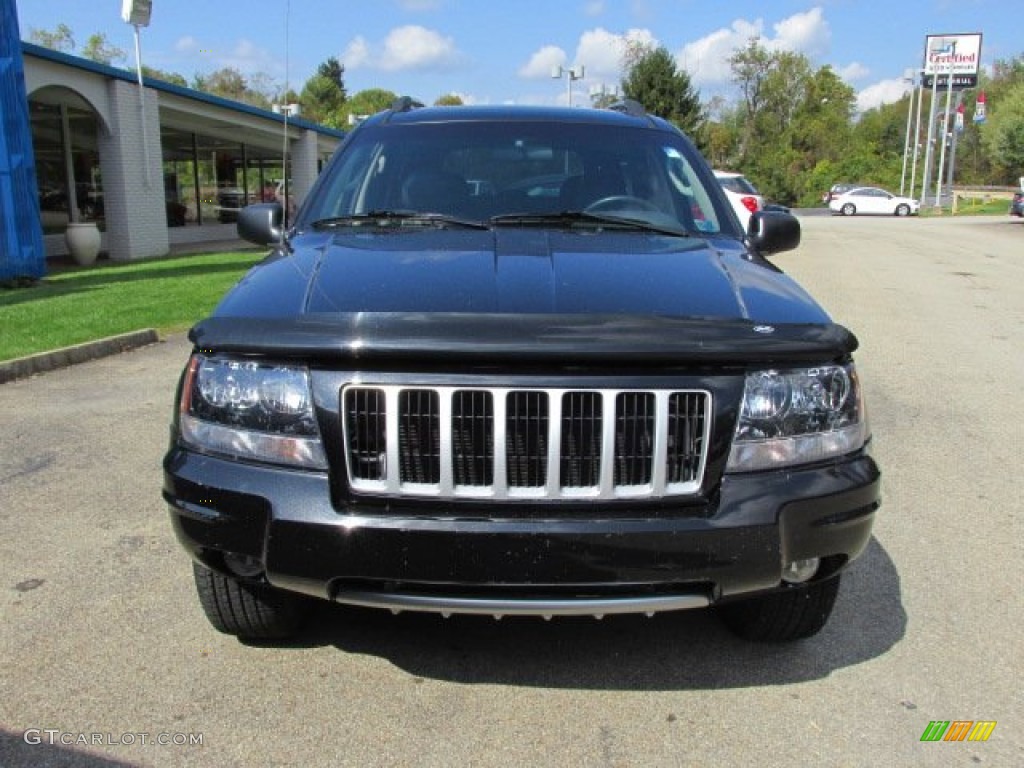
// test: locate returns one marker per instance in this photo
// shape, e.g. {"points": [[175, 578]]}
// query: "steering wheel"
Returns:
{"points": [[621, 202]]}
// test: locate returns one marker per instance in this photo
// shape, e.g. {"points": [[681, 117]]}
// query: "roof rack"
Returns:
{"points": [[629, 107], [405, 104]]}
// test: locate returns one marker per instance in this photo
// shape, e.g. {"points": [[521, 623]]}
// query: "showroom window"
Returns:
{"points": [[64, 138]]}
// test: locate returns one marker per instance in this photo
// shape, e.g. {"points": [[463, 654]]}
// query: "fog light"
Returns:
{"points": [[799, 571], [246, 566]]}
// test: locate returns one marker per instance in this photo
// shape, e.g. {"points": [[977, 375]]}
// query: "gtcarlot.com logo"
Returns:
{"points": [[958, 730], [57, 737]]}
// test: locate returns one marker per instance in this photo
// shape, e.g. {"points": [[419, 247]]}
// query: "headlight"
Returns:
{"points": [[797, 417], [250, 410]]}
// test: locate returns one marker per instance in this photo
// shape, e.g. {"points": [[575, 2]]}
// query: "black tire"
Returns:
{"points": [[849, 209], [248, 611], [902, 209], [781, 617]]}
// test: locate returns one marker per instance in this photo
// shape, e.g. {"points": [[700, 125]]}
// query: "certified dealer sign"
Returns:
{"points": [[957, 54]]}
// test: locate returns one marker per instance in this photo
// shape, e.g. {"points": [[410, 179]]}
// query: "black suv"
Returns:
{"points": [[520, 361]]}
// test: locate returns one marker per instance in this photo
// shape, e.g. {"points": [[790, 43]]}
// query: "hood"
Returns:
{"points": [[520, 271]]}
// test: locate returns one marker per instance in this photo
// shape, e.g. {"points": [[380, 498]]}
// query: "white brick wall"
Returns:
{"points": [[134, 206]]}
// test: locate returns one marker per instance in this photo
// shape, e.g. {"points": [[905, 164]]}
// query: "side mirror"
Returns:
{"points": [[773, 232], [261, 223]]}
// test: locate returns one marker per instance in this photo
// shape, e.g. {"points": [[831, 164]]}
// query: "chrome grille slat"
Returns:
{"points": [[523, 443]]}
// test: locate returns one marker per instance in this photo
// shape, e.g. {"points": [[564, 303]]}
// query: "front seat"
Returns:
{"points": [[435, 192], [597, 183]]}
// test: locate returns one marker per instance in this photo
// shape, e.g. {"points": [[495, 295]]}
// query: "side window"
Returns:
{"points": [[691, 197], [350, 185]]}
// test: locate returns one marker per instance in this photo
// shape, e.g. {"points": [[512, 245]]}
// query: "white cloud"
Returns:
{"points": [[356, 54], [186, 44], [542, 62], [414, 47], [405, 48], [601, 51], [594, 8], [884, 92], [806, 33], [854, 71], [707, 59]]}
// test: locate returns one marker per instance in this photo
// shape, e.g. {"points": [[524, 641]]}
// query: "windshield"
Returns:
{"points": [[483, 171]]}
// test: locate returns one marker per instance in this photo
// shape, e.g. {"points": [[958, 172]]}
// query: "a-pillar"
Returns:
{"points": [[134, 203]]}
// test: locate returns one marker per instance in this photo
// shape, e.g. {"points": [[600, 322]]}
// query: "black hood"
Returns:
{"points": [[517, 271], [522, 295]]}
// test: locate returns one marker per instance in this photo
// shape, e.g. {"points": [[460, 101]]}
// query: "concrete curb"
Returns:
{"points": [[61, 358]]}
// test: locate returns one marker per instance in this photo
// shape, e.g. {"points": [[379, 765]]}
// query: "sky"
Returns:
{"points": [[503, 51]]}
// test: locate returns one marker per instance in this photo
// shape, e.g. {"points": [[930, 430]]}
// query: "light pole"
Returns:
{"points": [[137, 13], [908, 77], [571, 75], [917, 130]]}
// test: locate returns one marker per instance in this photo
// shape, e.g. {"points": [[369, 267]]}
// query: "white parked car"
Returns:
{"points": [[743, 196], [873, 200]]}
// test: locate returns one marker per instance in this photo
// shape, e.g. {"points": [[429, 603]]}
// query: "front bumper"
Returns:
{"points": [[478, 558]]}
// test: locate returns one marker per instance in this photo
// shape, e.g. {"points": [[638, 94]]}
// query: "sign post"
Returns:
{"points": [[951, 60]]}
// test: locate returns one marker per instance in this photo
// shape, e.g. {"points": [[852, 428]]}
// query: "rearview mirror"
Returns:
{"points": [[773, 232], [261, 223]]}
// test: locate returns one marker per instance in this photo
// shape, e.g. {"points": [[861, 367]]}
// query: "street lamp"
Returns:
{"points": [[571, 75], [917, 131], [137, 13], [908, 77]]}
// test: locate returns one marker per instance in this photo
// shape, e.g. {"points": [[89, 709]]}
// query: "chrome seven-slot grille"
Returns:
{"points": [[508, 443]]}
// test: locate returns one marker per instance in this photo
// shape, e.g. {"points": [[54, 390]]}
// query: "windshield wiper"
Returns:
{"points": [[398, 219], [569, 218]]}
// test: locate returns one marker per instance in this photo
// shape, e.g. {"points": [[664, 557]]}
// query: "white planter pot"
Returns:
{"points": [[83, 240]]}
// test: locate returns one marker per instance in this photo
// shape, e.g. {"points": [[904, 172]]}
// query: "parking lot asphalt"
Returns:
{"points": [[104, 651]]}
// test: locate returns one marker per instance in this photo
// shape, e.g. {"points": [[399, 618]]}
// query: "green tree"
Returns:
{"points": [[750, 67], [368, 102], [98, 48], [61, 39], [449, 100], [1003, 135], [167, 77], [334, 71], [791, 123], [653, 79], [604, 98], [321, 99], [229, 83]]}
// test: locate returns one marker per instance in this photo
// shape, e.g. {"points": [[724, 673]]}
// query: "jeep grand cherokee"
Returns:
{"points": [[520, 361]]}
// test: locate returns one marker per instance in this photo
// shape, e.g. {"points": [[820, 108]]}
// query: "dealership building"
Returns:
{"points": [[151, 167]]}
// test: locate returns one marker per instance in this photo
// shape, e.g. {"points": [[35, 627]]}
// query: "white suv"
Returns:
{"points": [[743, 196]]}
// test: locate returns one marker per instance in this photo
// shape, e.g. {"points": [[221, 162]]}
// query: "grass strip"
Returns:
{"points": [[84, 304]]}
